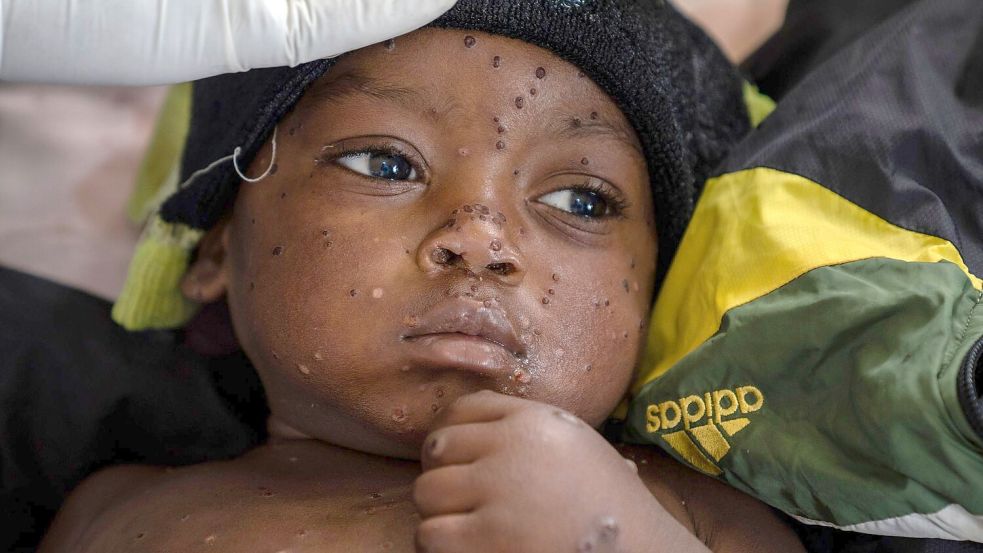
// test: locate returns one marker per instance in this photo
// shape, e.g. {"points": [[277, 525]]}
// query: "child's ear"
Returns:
{"points": [[206, 280]]}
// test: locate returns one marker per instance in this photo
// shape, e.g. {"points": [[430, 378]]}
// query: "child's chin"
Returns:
{"points": [[407, 425]]}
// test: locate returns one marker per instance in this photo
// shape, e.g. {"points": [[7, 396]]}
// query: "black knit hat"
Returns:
{"points": [[679, 92]]}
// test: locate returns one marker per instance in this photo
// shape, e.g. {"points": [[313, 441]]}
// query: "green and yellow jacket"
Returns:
{"points": [[818, 342]]}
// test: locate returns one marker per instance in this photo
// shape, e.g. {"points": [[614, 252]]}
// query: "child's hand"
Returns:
{"points": [[508, 474]]}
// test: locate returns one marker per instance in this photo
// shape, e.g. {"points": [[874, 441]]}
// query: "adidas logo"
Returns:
{"points": [[705, 420]]}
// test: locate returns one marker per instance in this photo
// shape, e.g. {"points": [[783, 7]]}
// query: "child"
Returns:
{"points": [[447, 263]]}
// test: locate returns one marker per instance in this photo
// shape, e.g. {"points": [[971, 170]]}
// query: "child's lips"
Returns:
{"points": [[467, 335]]}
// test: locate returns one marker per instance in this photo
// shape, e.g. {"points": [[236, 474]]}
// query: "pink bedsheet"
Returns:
{"points": [[68, 158]]}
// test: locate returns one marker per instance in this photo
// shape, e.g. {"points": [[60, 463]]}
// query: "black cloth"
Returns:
{"points": [[828, 540], [78, 393], [813, 32]]}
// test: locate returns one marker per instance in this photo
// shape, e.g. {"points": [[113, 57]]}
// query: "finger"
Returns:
{"points": [[483, 406], [447, 490], [446, 534], [458, 445]]}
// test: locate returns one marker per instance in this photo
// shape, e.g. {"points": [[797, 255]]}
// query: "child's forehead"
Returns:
{"points": [[450, 72]]}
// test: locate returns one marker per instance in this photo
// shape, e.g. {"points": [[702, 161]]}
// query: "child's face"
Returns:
{"points": [[453, 212]]}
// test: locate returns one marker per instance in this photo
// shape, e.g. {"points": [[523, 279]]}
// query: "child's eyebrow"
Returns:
{"points": [[569, 126], [353, 82]]}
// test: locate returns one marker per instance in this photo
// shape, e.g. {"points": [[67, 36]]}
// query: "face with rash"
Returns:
{"points": [[448, 212]]}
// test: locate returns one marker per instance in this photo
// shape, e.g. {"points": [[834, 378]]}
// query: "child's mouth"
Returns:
{"points": [[464, 334]]}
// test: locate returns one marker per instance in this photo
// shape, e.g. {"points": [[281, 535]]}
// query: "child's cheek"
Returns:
{"points": [[300, 275], [593, 330]]}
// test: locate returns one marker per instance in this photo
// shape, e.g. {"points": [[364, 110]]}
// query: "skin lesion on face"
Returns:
{"points": [[523, 265]]}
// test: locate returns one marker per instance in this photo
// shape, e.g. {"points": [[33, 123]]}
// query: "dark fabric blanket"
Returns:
{"points": [[78, 393]]}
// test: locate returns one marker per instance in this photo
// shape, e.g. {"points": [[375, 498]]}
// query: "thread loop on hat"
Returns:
{"points": [[269, 170], [235, 164]]}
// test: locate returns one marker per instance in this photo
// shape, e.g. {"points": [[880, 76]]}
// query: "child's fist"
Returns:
{"points": [[508, 474]]}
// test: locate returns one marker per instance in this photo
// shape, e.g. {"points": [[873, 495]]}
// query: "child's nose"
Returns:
{"points": [[473, 240]]}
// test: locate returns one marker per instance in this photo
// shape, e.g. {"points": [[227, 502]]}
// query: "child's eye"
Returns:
{"points": [[580, 202], [380, 165]]}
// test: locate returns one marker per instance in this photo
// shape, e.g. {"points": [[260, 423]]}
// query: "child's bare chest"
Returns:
{"points": [[267, 504]]}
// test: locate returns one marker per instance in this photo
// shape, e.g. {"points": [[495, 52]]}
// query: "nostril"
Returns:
{"points": [[503, 269], [443, 256]]}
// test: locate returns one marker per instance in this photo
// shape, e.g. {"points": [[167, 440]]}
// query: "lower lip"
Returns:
{"points": [[461, 352]]}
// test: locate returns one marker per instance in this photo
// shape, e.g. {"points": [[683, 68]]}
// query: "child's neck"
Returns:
{"points": [[281, 432]]}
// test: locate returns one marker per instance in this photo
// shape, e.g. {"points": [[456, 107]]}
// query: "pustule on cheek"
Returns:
{"points": [[625, 309]]}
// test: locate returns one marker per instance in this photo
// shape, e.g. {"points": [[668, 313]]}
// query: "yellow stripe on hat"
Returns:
{"points": [[754, 231], [162, 161]]}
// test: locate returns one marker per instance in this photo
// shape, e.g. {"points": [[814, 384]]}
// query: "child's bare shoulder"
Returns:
{"points": [[288, 497], [84, 509], [724, 518]]}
